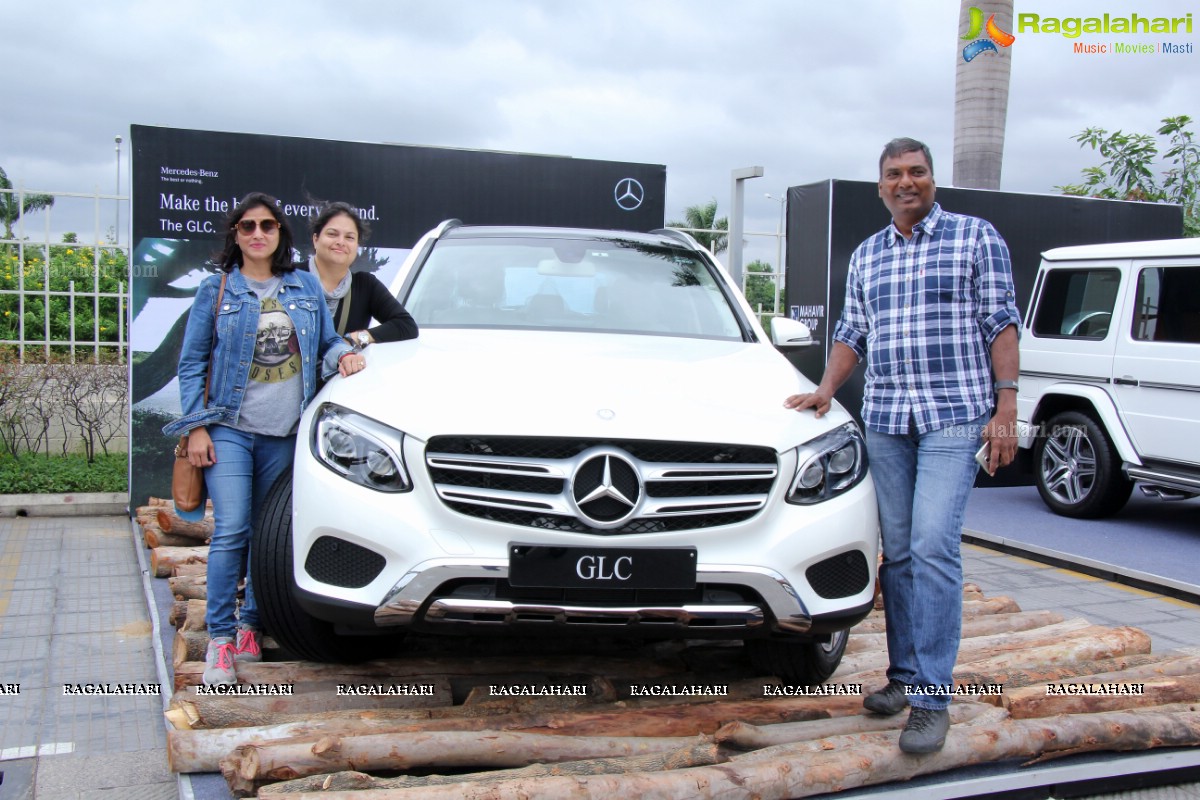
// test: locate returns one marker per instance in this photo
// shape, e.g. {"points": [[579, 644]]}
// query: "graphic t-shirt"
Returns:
{"points": [[276, 387]]}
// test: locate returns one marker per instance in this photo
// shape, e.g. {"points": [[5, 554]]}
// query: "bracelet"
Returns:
{"points": [[343, 355], [998, 385]]}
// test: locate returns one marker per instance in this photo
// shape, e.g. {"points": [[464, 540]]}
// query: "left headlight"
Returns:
{"points": [[829, 465], [359, 449]]}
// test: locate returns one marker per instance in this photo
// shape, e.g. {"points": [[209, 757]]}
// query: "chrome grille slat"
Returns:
{"points": [[530, 482]]}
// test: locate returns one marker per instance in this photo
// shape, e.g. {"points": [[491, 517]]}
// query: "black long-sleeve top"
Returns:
{"points": [[370, 299]]}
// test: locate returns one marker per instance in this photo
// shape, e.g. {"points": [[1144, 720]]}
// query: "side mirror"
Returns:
{"points": [[790, 333]]}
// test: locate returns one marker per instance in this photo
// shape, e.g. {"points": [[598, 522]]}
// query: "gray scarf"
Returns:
{"points": [[332, 298]]}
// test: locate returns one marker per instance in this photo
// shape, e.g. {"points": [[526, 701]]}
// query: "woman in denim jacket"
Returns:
{"points": [[271, 331]]}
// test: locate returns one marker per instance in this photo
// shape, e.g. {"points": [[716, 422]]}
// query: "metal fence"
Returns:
{"points": [[41, 230]]}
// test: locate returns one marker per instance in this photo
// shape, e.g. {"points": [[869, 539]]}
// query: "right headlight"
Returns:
{"points": [[359, 449], [829, 465]]}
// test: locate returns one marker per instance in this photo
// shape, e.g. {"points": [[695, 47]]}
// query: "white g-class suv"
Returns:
{"points": [[587, 437], [1110, 375]]}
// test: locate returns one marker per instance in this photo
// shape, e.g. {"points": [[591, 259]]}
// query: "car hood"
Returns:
{"points": [[549, 383]]}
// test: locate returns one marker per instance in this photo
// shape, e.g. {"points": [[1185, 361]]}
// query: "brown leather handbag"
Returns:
{"points": [[187, 481]]}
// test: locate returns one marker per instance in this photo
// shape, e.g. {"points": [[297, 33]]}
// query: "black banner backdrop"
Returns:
{"points": [[185, 181]]}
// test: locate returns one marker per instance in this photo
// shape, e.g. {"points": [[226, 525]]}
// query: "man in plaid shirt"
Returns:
{"points": [[930, 306]]}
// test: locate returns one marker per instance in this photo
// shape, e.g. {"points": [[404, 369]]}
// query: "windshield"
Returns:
{"points": [[570, 284]]}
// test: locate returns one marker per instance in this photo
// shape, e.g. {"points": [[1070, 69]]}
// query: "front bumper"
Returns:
{"points": [[447, 572]]}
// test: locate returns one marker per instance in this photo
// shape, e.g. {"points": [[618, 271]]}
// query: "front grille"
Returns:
{"points": [[527, 481], [843, 575], [341, 563]]}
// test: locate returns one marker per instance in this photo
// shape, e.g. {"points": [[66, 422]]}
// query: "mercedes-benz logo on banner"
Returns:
{"points": [[629, 194], [605, 490]]}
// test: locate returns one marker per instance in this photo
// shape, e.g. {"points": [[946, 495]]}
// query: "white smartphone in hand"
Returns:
{"points": [[981, 457]]}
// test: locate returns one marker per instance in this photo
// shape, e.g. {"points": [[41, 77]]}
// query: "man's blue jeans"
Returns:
{"points": [[247, 465], [922, 482]]}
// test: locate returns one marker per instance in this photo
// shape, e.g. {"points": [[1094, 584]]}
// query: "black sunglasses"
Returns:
{"points": [[247, 226]]}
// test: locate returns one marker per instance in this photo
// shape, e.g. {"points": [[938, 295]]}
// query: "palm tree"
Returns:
{"points": [[703, 218], [981, 95], [11, 208]]}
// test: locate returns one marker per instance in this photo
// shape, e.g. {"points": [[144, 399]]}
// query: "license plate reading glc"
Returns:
{"points": [[602, 567]]}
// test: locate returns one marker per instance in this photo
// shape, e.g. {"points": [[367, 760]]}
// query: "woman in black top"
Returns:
{"points": [[354, 298]]}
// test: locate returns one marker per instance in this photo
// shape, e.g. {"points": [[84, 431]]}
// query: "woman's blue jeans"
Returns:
{"points": [[247, 465], [922, 482]]}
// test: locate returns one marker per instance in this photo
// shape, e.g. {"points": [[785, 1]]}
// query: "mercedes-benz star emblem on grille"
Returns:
{"points": [[606, 489], [629, 193]]}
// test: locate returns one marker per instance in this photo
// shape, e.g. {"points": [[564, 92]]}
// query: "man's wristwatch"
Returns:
{"points": [[363, 339], [998, 385]]}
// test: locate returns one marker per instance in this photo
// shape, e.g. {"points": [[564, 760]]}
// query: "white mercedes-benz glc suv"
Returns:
{"points": [[588, 436]]}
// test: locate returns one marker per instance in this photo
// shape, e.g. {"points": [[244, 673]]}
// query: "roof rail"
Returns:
{"points": [[446, 225], [674, 234]]}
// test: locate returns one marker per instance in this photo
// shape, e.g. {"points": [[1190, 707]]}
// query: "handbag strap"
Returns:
{"points": [[216, 310], [344, 316]]}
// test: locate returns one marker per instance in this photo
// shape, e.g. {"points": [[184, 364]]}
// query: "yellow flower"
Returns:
{"points": [[70, 251]]}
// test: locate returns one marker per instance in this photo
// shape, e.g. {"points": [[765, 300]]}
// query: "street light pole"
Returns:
{"points": [[736, 213], [780, 273], [117, 228]]}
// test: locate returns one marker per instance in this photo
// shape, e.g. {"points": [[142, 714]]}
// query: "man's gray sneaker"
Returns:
{"points": [[889, 700], [925, 731], [219, 666]]}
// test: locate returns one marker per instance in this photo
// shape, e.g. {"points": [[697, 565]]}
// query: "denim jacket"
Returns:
{"points": [[302, 298]]}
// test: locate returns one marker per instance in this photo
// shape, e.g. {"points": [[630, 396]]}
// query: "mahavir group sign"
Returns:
{"points": [[186, 181]]}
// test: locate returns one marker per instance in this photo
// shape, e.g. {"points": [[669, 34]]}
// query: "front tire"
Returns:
{"points": [[1078, 469], [799, 663], [299, 633]]}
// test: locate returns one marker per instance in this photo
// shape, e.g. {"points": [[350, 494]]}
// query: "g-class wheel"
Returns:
{"points": [[1078, 468]]}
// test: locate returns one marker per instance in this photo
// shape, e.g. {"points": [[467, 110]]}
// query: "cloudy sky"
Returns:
{"points": [[809, 91]]}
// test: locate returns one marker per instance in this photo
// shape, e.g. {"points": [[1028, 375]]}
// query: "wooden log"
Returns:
{"points": [[683, 720], [227, 710], [201, 750], [693, 756], [991, 605], [189, 646], [1111, 643], [189, 587], [154, 537], [178, 613], [610, 668], [1017, 676], [988, 625], [753, 737], [160, 502], [799, 770], [163, 559], [1086, 695], [596, 689], [198, 530], [183, 570], [984, 646], [252, 765], [874, 622], [193, 619], [1166, 666], [354, 676]]}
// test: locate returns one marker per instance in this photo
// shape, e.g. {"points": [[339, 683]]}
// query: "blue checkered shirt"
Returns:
{"points": [[924, 312]]}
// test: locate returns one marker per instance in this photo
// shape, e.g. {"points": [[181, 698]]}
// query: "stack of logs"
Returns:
{"points": [[454, 739]]}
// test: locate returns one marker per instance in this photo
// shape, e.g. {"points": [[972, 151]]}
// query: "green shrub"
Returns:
{"points": [[36, 474]]}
